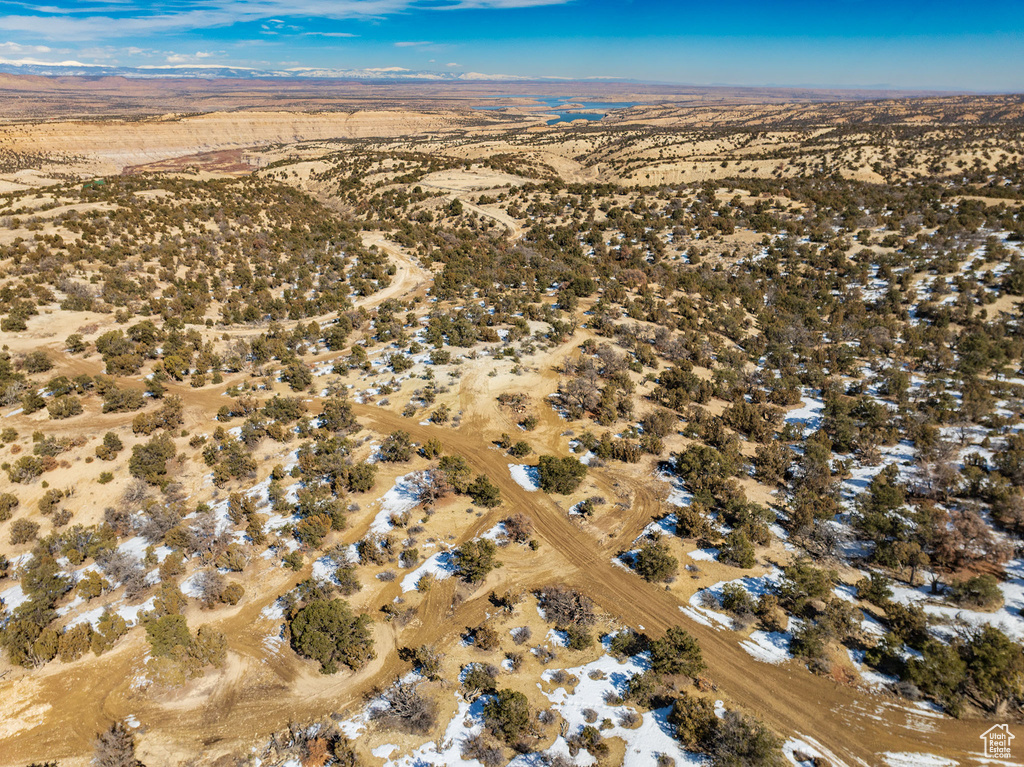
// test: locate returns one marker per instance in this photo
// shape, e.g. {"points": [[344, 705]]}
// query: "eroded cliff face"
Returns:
{"points": [[115, 144]]}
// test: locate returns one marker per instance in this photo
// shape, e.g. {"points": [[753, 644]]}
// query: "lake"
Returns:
{"points": [[559, 105]]}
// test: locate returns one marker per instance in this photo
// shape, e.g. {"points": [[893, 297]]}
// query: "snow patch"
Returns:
{"points": [[916, 759], [599, 680], [402, 497], [441, 565], [768, 646], [527, 477]]}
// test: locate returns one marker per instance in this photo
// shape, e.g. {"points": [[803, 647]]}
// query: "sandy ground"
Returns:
{"points": [[55, 711]]}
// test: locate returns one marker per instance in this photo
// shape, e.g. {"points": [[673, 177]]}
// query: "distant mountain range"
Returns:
{"points": [[78, 69]]}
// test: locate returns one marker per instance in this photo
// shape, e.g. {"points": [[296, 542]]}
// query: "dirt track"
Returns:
{"points": [[236, 707], [459, 192], [409, 276], [854, 726], [231, 709]]}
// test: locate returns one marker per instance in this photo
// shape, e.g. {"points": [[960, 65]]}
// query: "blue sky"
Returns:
{"points": [[901, 43]]}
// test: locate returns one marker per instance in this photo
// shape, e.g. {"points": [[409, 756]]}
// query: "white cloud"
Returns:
{"points": [[453, 64], [18, 48], [412, 44], [187, 58], [107, 19]]}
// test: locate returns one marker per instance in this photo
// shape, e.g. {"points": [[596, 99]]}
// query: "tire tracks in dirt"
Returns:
{"points": [[854, 725]]}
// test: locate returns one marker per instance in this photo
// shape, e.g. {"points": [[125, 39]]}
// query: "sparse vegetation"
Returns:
{"points": [[788, 338]]}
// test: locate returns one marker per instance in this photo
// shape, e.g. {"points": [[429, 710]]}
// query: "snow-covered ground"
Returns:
{"points": [[13, 598], [646, 738], [810, 413], [768, 646], [704, 555], [402, 497], [599, 680], [915, 759], [273, 612], [678, 495], [324, 567], [765, 646], [1009, 617], [446, 751], [527, 477], [808, 746], [441, 565], [190, 586]]}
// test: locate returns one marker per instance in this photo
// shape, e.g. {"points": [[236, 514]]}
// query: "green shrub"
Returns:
{"points": [[677, 652], [37, 362], [741, 741], [64, 407], [803, 582], [117, 400], [32, 401], [112, 445], [876, 589], [654, 563], [980, 592], [8, 503], [507, 714], [737, 550], [520, 449], [737, 600], [149, 460], [475, 559], [478, 680], [312, 530], [396, 447], [74, 642], [75, 344], [328, 632], [695, 722], [560, 475], [484, 493], [347, 580], [578, 638], [908, 623], [23, 531], [166, 633]]}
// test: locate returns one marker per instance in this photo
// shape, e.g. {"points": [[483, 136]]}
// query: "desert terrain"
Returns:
{"points": [[399, 432]]}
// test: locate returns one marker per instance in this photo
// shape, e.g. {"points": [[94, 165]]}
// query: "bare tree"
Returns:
{"points": [[519, 527], [408, 709], [210, 584], [580, 393], [566, 607], [124, 569], [135, 493], [115, 748], [431, 486]]}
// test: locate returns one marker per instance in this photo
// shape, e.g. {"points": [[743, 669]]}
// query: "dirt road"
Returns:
{"points": [[409, 276], [496, 214], [854, 726], [250, 699], [237, 705]]}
